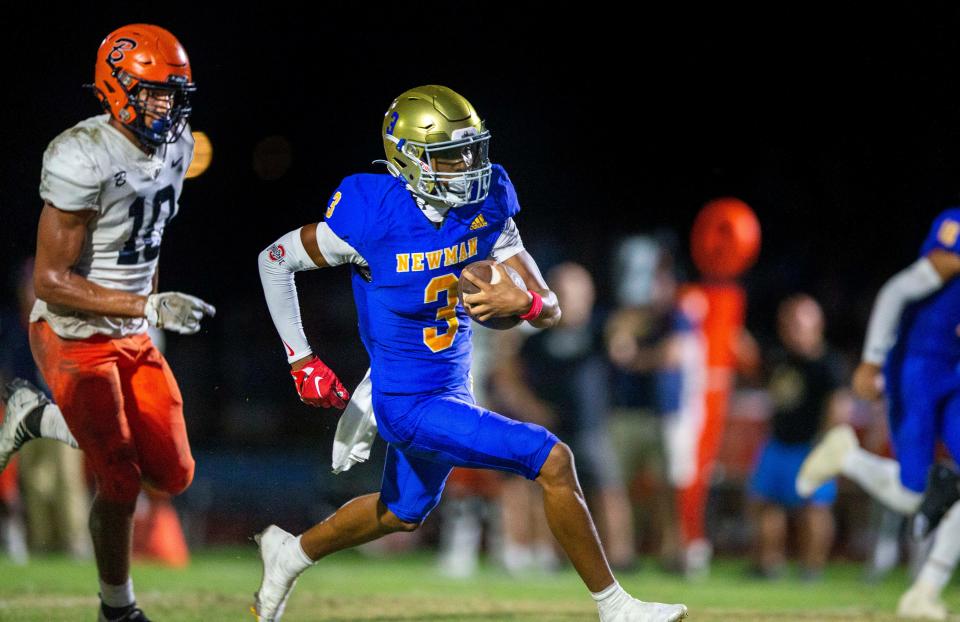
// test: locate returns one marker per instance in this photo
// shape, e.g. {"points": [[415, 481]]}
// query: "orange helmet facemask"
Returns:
{"points": [[143, 80]]}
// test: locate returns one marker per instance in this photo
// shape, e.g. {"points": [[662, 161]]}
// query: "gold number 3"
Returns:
{"points": [[448, 313]]}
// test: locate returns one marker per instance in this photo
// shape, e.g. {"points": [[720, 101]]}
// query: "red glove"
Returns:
{"points": [[317, 385]]}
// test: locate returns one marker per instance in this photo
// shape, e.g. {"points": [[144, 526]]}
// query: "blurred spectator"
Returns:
{"points": [[888, 536], [659, 353], [527, 543], [804, 381], [471, 498], [568, 378], [55, 495]]}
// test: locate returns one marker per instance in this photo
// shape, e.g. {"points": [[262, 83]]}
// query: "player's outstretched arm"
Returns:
{"points": [[60, 238], [916, 281], [298, 250]]}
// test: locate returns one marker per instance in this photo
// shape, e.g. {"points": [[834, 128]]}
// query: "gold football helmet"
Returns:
{"points": [[435, 140]]}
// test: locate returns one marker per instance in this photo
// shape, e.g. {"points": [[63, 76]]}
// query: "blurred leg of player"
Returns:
{"points": [[918, 388], [817, 531], [692, 498], [29, 415], [123, 405], [527, 540], [13, 533], [839, 453], [923, 600], [772, 484], [691, 431], [423, 445], [471, 497]]}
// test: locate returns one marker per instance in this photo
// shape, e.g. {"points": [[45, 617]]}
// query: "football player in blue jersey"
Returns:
{"points": [[407, 236], [911, 353]]}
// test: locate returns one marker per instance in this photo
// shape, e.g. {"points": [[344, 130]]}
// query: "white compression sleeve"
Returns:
{"points": [[916, 281], [277, 264]]}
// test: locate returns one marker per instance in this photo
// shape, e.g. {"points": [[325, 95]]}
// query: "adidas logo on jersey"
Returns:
{"points": [[478, 223]]}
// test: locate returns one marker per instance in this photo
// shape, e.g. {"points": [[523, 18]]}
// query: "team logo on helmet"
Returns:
{"points": [[119, 47], [130, 86], [393, 122], [436, 142]]}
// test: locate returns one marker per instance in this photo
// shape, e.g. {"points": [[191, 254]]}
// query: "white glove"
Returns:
{"points": [[178, 312]]}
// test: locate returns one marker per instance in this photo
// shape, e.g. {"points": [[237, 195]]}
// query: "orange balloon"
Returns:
{"points": [[725, 239]]}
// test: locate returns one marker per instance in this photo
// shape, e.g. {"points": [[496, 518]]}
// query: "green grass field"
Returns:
{"points": [[350, 587]]}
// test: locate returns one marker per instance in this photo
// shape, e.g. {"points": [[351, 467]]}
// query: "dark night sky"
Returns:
{"points": [[839, 129]]}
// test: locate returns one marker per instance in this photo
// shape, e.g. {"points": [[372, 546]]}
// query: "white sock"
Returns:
{"points": [[610, 599], [941, 561], [294, 559], [117, 595], [880, 477], [52, 425]]}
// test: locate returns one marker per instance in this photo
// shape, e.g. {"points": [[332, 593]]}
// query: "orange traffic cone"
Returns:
{"points": [[157, 534]]}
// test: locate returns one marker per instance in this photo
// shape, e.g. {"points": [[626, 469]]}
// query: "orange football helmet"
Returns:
{"points": [[725, 239], [143, 80]]}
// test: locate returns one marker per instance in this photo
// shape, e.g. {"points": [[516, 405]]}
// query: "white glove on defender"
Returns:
{"points": [[178, 312]]}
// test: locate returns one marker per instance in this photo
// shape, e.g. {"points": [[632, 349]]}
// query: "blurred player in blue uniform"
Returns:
{"points": [[407, 235], [912, 353]]}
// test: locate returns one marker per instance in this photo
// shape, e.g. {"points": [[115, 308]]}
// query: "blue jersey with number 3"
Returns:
{"points": [[929, 326], [410, 320]]}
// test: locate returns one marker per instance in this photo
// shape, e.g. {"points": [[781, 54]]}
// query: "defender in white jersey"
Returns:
{"points": [[132, 194], [110, 186]]}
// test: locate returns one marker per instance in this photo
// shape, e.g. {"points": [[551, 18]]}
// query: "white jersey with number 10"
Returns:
{"points": [[92, 166]]}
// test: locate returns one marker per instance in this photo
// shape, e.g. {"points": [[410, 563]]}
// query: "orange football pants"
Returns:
{"points": [[122, 404]]}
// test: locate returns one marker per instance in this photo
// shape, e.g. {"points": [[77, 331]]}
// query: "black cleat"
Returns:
{"points": [[131, 613], [943, 490]]}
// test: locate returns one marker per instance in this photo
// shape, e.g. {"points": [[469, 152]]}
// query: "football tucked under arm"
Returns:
{"points": [[486, 271]]}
